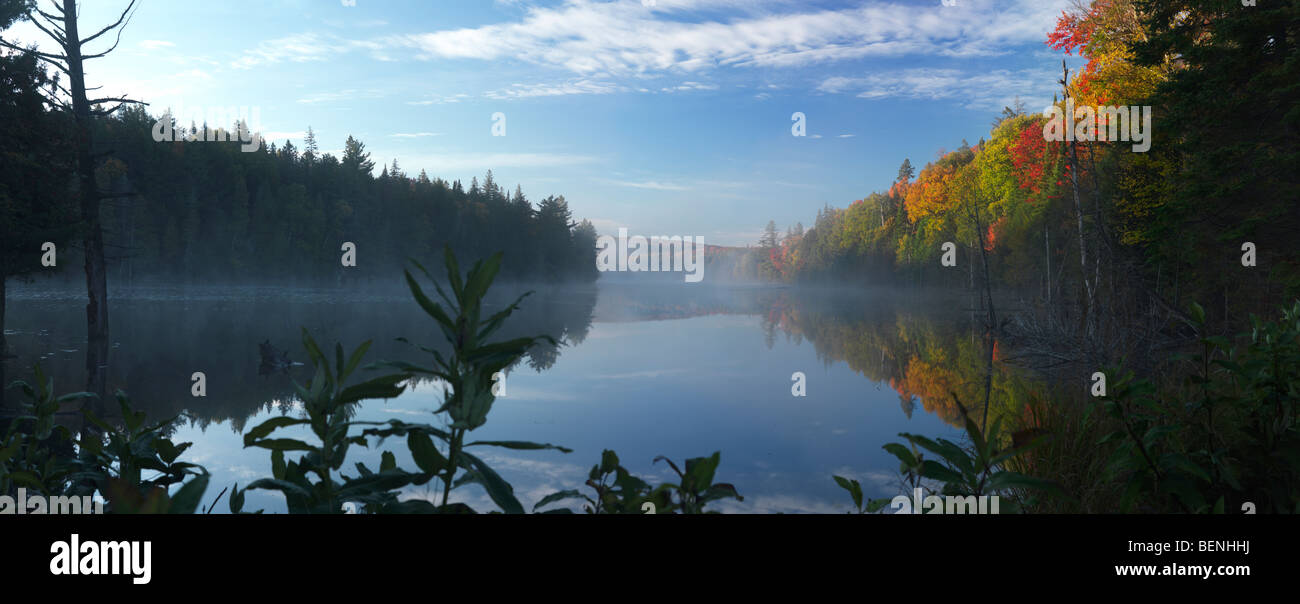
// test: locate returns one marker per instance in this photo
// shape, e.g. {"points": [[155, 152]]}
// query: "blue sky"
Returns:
{"points": [[668, 117]]}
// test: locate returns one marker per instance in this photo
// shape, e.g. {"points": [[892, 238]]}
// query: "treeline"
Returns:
{"points": [[1090, 223], [206, 210]]}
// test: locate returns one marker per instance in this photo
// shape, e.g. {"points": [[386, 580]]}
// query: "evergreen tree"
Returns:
{"points": [[356, 159], [36, 199], [769, 239], [906, 171], [310, 146]]}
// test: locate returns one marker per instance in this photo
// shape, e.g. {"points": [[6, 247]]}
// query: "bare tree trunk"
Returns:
{"points": [[4, 348], [1073, 158], [1047, 253], [93, 236]]}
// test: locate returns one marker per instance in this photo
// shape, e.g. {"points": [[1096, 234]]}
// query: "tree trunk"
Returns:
{"points": [[1073, 159], [93, 236], [4, 348]]}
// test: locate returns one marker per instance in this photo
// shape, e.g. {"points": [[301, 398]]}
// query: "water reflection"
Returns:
{"points": [[246, 342], [645, 370]]}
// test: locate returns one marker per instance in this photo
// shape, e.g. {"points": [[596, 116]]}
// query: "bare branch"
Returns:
{"points": [[56, 102], [116, 41], [44, 56], [53, 18], [125, 16], [62, 40], [115, 100], [120, 103], [55, 23]]}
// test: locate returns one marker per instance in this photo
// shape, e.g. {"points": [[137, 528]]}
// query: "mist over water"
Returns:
{"points": [[643, 369]]}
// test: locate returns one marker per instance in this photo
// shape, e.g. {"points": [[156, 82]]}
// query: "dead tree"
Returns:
{"points": [[58, 20]]}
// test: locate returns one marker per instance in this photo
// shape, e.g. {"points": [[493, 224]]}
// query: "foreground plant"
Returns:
{"points": [[978, 470], [116, 461], [617, 491], [33, 452], [309, 484], [1229, 442], [467, 372], [132, 466]]}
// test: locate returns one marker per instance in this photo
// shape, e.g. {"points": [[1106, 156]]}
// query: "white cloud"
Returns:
{"points": [[341, 95], [307, 47], [626, 37], [156, 44], [518, 91], [986, 90], [688, 86], [649, 184], [440, 100]]}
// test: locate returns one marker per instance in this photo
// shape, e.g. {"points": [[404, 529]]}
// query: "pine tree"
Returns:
{"points": [[906, 171], [355, 157], [769, 239], [311, 147]]}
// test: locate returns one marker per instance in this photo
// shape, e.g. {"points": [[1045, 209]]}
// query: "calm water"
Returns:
{"points": [[645, 371]]}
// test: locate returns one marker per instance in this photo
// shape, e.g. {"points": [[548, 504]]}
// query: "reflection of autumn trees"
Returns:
{"points": [[925, 355]]}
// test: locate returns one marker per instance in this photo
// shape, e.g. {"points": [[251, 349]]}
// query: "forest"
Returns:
{"points": [[1089, 227], [1169, 274], [196, 210]]}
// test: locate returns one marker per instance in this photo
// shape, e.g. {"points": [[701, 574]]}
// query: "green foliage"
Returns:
{"points": [[308, 484], [1230, 436], [132, 466], [1232, 108], [115, 462], [697, 488], [29, 452], [468, 372], [976, 470], [617, 491]]}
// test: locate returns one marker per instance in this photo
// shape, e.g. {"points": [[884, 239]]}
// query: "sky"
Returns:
{"points": [[667, 117]]}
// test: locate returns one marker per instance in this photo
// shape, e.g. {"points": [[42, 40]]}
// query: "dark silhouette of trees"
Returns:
{"points": [[35, 178], [59, 22], [208, 211]]}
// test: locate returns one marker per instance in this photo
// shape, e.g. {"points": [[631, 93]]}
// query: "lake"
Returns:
{"points": [[645, 370]]}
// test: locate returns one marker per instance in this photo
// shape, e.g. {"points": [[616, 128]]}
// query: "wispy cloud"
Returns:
{"points": [[986, 90], [561, 89], [649, 184], [307, 47], [340, 95], [441, 99], [630, 37]]}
